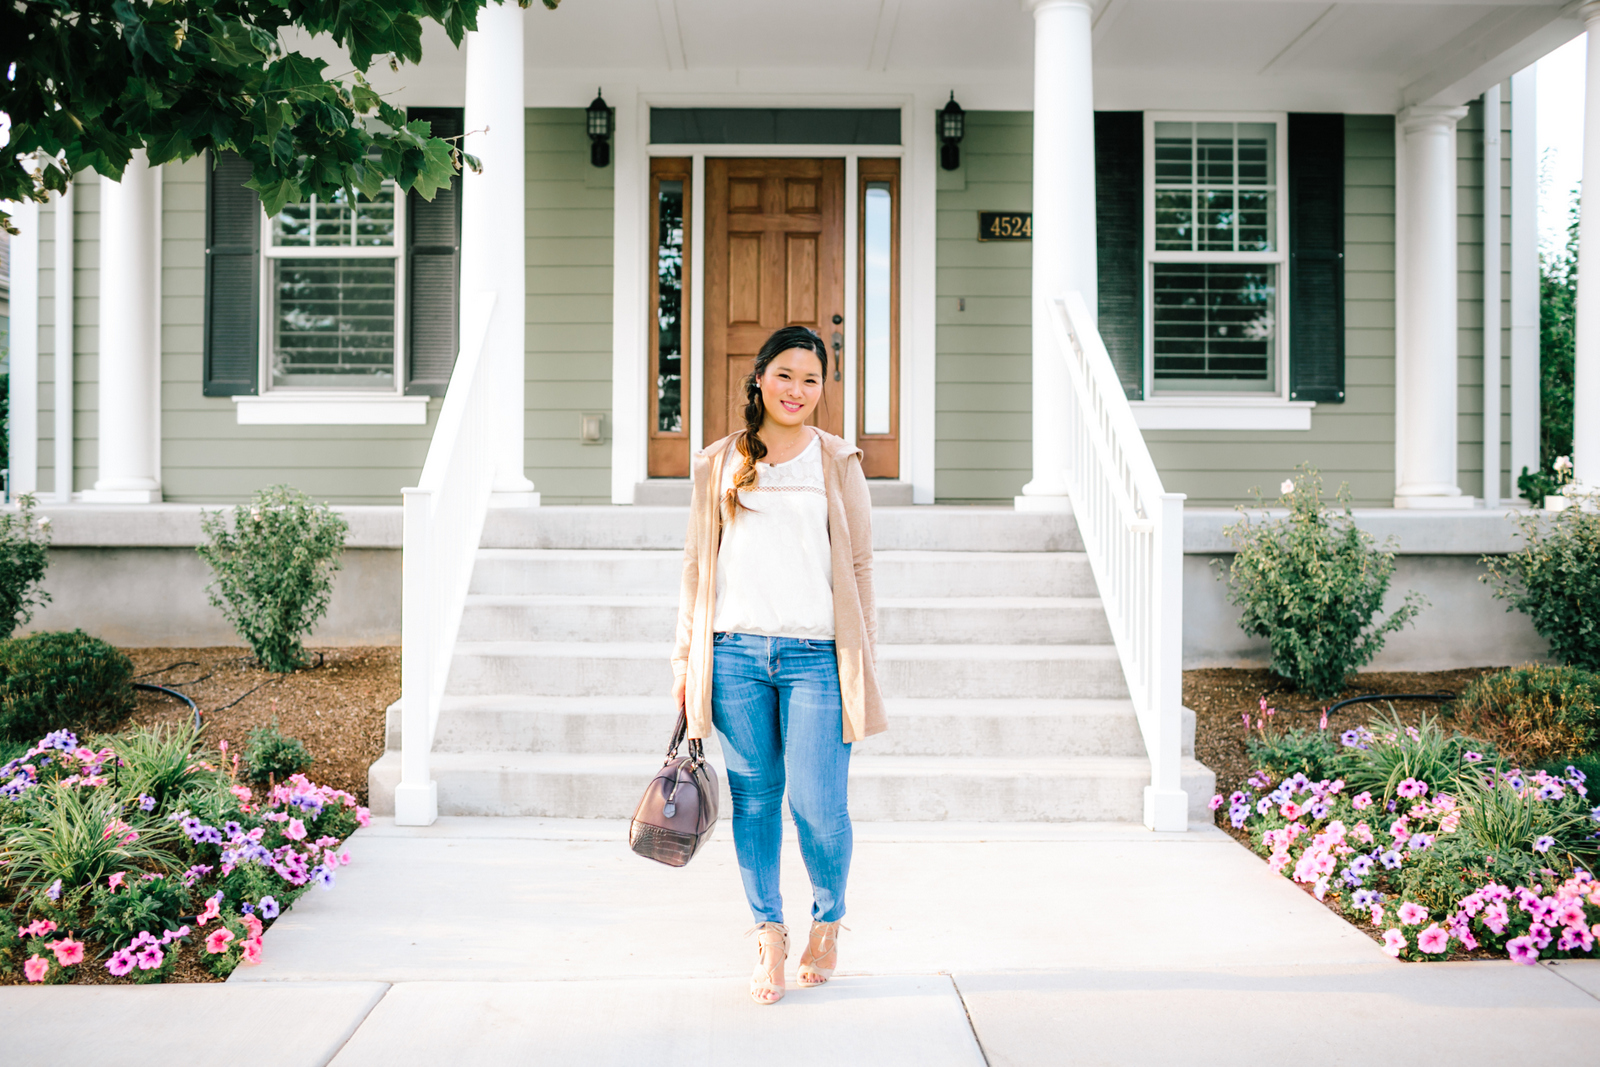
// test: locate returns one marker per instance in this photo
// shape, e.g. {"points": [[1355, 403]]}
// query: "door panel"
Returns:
{"points": [[774, 257]]}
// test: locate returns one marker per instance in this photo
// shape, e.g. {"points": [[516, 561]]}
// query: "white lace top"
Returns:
{"points": [[775, 566]]}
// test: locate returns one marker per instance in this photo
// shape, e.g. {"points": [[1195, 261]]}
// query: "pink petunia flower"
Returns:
{"points": [[1362, 801], [1290, 810], [295, 831], [1412, 914], [212, 910], [363, 817], [1539, 933], [1377, 915], [1433, 939], [115, 881], [1394, 942], [218, 940], [252, 925], [250, 950], [1522, 950], [120, 963], [36, 968], [68, 951]]}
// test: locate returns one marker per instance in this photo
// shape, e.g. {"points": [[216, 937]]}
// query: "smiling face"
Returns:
{"points": [[791, 386]]}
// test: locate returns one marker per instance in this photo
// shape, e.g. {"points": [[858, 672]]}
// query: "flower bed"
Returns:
{"points": [[1428, 842], [142, 861]]}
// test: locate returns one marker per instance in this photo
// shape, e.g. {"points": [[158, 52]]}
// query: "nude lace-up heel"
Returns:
{"points": [[821, 957], [772, 951]]}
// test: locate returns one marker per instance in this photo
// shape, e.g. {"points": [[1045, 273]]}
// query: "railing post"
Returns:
{"points": [[1166, 805], [416, 798]]}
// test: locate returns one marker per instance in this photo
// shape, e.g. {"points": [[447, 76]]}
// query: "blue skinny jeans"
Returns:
{"points": [[775, 704]]}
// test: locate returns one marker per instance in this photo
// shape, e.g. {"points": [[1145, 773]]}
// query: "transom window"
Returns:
{"points": [[333, 294], [1214, 256]]}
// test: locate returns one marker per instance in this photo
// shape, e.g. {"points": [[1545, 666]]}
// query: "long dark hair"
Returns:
{"points": [[750, 445]]}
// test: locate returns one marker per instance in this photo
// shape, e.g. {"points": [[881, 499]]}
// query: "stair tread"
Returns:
{"points": [[661, 649], [889, 766], [975, 707]]}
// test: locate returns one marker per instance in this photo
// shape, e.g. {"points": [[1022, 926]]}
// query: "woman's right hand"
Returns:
{"points": [[679, 688]]}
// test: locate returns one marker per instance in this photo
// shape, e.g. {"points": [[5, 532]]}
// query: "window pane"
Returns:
{"points": [[879, 222], [1214, 327], [1202, 172], [669, 309], [1174, 220], [333, 323], [320, 223]]}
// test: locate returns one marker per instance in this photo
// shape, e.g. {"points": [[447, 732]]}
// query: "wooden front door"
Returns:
{"points": [[774, 257]]}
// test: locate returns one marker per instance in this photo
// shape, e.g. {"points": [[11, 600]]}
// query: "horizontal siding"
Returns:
{"points": [[569, 220], [1351, 442], [206, 456], [983, 419]]}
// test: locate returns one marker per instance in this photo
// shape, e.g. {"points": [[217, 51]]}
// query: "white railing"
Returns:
{"points": [[1132, 530], [443, 516]]}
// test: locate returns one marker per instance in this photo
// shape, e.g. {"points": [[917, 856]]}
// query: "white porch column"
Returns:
{"points": [[130, 337], [1586, 361], [1063, 222], [493, 227], [1425, 411]]}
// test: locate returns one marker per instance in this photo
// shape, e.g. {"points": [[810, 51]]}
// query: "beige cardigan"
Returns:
{"points": [[855, 620]]}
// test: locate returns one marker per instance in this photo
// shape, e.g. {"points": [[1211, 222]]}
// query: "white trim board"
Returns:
{"points": [[1269, 413], [287, 409]]}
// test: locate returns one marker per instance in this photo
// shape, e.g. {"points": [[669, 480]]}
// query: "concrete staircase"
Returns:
{"points": [[1005, 698]]}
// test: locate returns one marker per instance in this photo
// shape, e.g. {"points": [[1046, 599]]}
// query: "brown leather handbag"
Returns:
{"points": [[679, 807]]}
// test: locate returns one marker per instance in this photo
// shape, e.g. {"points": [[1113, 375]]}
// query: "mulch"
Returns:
{"points": [[335, 706], [1221, 696]]}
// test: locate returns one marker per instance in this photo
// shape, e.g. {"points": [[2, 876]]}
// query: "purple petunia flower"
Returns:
{"points": [[1472, 757], [1390, 860], [1576, 776], [1543, 844], [54, 892], [1362, 865], [247, 908], [231, 828], [269, 908], [147, 803], [323, 876], [1550, 791], [1263, 805], [1419, 842]]}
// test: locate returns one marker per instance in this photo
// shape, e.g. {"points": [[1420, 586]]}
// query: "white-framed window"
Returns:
{"points": [[333, 296], [1216, 255]]}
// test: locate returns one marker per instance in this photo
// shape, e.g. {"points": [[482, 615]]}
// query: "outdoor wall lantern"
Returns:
{"points": [[952, 127], [599, 131]]}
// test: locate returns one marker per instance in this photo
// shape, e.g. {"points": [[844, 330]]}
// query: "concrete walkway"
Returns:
{"points": [[525, 941]]}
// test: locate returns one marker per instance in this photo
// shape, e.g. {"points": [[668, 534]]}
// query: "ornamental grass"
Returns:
{"points": [[128, 851]]}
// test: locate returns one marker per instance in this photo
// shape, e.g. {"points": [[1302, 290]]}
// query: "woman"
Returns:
{"points": [[776, 628]]}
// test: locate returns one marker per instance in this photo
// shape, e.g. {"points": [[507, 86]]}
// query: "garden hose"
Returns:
{"points": [[173, 693], [1370, 697]]}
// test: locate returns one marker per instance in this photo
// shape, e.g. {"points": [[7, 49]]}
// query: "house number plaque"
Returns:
{"points": [[1005, 225]]}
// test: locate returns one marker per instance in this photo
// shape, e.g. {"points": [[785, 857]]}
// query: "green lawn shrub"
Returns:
{"points": [[1537, 715], [62, 680], [272, 564], [1554, 579], [1313, 585], [24, 555], [271, 755]]}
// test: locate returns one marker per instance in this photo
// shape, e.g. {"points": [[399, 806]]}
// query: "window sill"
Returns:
{"points": [[282, 409], [1222, 413]]}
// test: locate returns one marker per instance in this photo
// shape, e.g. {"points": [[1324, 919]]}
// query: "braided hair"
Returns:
{"points": [[750, 445]]}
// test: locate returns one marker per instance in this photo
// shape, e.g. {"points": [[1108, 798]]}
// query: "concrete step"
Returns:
{"points": [[882, 788], [568, 668], [592, 725], [896, 573], [947, 528], [678, 492], [901, 620]]}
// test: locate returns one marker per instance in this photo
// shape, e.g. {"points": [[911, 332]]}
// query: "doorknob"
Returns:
{"points": [[838, 352]]}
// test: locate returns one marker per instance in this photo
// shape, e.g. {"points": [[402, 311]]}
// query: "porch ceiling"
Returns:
{"points": [[1282, 54]]}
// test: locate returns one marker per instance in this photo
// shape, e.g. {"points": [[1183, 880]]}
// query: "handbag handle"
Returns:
{"points": [[679, 732]]}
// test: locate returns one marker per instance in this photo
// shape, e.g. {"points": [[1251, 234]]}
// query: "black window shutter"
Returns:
{"points": [[433, 272], [1119, 231], [1316, 258], [233, 291]]}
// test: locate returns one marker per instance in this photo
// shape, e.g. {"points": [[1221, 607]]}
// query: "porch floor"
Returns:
{"points": [[506, 940]]}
